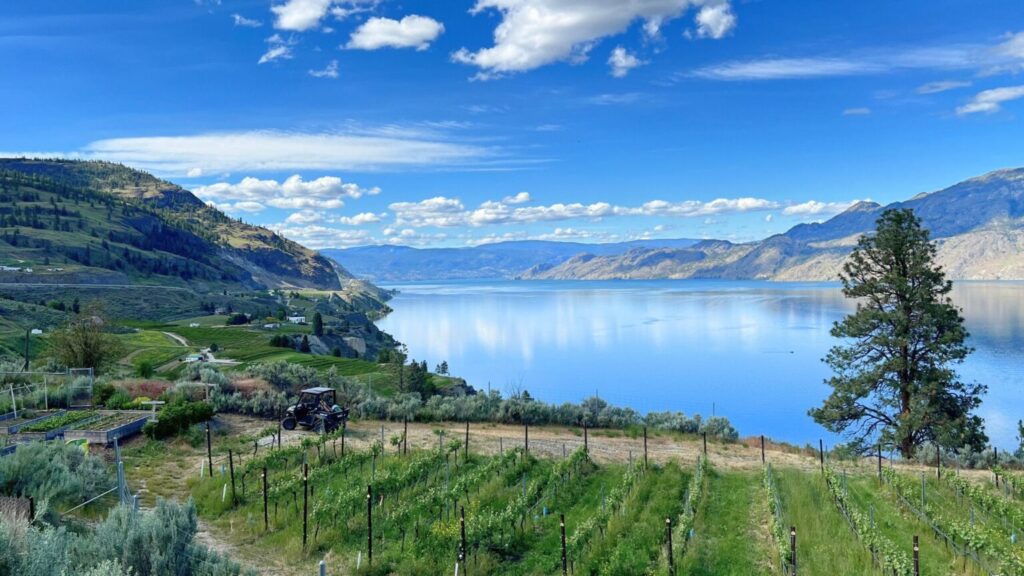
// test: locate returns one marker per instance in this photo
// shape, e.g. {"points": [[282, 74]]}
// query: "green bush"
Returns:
{"points": [[120, 400], [144, 369], [177, 418], [101, 393]]}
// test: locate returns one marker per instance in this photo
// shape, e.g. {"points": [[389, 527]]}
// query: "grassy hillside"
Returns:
{"points": [[102, 223]]}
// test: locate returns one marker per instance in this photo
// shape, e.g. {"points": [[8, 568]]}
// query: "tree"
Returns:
{"points": [[304, 346], [894, 380], [84, 341], [318, 324]]}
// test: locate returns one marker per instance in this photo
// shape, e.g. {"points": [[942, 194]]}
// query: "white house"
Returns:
{"points": [[194, 325], [36, 331], [297, 319]]}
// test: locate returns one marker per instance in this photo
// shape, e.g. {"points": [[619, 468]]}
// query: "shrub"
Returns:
{"points": [[101, 393], [120, 400], [52, 473], [176, 418]]}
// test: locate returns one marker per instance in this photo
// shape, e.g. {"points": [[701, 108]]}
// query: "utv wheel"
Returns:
{"points": [[288, 423]]}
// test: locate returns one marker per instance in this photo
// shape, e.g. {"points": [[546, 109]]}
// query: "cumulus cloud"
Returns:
{"points": [[989, 101], [300, 15], [412, 31], [941, 86], [814, 208], [534, 33], [520, 198], [715, 21], [443, 212], [318, 236], [244, 22], [331, 71], [325, 193], [621, 62], [254, 151]]}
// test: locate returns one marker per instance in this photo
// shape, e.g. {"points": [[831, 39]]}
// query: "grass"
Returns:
{"points": [[825, 543], [730, 537]]}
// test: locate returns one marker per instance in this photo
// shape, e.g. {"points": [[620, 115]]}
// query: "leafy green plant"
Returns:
{"points": [[56, 422]]}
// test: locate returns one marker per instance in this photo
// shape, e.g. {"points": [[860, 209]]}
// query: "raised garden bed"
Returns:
{"points": [[109, 427], [11, 425], [50, 428]]}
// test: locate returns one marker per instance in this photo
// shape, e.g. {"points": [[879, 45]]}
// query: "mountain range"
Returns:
{"points": [[75, 222], [977, 226]]}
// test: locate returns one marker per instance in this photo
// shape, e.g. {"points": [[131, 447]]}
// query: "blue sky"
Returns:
{"points": [[466, 121]]}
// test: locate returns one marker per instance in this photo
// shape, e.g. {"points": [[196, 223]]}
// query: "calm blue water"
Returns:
{"points": [[750, 351]]}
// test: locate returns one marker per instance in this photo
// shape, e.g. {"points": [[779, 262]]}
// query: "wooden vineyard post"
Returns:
{"points": [[278, 430], [879, 464], [305, 502], [405, 436], [266, 522], [369, 523], [586, 439], [526, 437], [565, 563], [209, 449], [821, 454], [668, 539], [917, 558], [793, 550], [231, 467], [762, 449], [645, 446], [938, 462], [462, 541], [465, 451], [705, 443]]}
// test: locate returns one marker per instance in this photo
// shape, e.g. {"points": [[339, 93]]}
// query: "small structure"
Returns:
{"points": [[271, 325], [195, 358], [193, 325], [297, 319], [36, 331]]}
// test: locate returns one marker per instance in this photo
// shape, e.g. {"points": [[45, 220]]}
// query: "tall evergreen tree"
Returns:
{"points": [[894, 380], [318, 324]]}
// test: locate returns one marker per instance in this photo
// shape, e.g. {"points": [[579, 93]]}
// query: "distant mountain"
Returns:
{"points": [[978, 226], [76, 222], [489, 261]]}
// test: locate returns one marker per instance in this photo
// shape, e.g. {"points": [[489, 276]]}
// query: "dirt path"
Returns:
{"points": [[177, 339]]}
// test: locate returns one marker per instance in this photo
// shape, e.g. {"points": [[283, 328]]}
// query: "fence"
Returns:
{"points": [[42, 390]]}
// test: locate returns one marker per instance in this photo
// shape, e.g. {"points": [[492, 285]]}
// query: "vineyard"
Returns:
{"points": [[385, 509]]}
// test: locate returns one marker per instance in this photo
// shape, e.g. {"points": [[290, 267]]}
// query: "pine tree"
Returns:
{"points": [[304, 346], [894, 381]]}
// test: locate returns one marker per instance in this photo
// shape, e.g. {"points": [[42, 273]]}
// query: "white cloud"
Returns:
{"points": [[813, 208], [941, 86], [279, 49], [990, 101], [300, 15], [325, 193], [715, 21], [235, 207], [621, 62], [194, 172], [520, 198], [345, 10], [277, 52], [534, 33], [304, 217], [245, 22], [769, 218], [1007, 56], [412, 31], [360, 219], [443, 212], [778, 68], [862, 111], [386, 148], [331, 71], [318, 237]]}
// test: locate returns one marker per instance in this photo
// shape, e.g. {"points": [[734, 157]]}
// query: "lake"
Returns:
{"points": [[747, 350]]}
